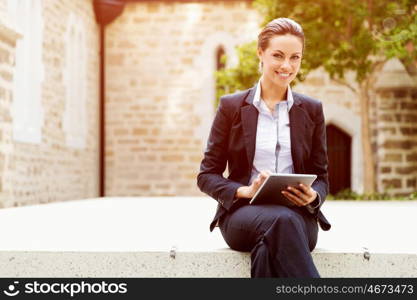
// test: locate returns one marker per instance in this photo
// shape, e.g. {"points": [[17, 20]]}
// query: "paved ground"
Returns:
{"points": [[147, 224]]}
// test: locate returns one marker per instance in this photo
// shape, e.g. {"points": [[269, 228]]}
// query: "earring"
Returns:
{"points": [[261, 66]]}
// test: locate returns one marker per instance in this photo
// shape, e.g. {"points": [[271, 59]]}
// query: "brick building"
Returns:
{"points": [[159, 101], [48, 101]]}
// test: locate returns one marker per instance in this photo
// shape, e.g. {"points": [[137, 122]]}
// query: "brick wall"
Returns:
{"points": [[51, 171], [155, 91], [397, 140], [396, 129], [7, 53]]}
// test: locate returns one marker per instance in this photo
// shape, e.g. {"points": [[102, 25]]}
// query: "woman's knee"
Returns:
{"points": [[273, 216], [286, 217]]}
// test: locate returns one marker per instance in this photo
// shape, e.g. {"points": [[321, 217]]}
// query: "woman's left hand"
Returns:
{"points": [[300, 195]]}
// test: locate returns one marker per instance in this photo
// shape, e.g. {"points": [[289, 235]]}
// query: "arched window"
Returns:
{"points": [[74, 120], [219, 54], [27, 112], [214, 47]]}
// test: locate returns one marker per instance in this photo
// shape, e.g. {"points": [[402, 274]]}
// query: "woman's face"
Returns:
{"points": [[282, 59]]}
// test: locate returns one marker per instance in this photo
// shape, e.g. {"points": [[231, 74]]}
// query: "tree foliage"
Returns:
{"points": [[341, 36], [241, 76]]}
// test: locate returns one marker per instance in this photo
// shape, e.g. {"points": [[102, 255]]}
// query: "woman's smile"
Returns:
{"points": [[283, 75]]}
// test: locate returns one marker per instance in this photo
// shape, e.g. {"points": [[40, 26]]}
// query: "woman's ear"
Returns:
{"points": [[261, 64], [260, 53]]}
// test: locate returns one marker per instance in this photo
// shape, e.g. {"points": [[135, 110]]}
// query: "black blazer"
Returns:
{"points": [[232, 142]]}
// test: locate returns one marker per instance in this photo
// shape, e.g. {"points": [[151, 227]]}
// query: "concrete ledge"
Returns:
{"points": [[169, 237], [190, 264]]}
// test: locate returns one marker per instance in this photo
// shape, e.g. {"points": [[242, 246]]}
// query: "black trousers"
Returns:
{"points": [[279, 238]]}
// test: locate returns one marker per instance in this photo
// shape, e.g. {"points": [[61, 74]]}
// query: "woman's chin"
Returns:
{"points": [[281, 82]]}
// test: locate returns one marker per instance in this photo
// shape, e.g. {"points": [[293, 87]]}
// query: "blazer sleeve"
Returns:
{"points": [[319, 158], [210, 179]]}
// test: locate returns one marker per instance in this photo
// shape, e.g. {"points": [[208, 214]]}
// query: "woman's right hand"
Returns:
{"points": [[250, 191]]}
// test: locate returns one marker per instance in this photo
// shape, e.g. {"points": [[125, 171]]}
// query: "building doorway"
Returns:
{"points": [[339, 153]]}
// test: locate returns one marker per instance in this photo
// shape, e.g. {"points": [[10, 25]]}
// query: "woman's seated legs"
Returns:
{"points": [[280, 239]]}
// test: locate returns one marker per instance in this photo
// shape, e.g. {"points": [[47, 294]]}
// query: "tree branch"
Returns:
{"points": [[343, 82]]}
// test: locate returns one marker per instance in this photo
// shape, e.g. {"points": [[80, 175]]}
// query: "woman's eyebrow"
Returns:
{"points": [[279, 51]]}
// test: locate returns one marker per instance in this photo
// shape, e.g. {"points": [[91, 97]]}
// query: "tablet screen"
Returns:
{"points": [[270, 190]]}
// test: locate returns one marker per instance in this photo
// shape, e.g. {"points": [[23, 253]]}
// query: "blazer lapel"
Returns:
{"points": [[249, 116], [298, 124]]}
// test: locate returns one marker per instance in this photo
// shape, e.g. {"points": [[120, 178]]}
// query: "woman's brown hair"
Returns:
{"points": [[279, 26]]}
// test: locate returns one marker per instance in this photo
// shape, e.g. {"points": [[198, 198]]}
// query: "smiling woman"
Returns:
{"points": [[269, 129]]}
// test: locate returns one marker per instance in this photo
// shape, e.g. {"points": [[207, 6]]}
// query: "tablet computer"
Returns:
{"points": [[270, 190]]}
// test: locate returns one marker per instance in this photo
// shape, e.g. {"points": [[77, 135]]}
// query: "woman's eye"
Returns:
{"points": [[295, 57], [278, 55]]}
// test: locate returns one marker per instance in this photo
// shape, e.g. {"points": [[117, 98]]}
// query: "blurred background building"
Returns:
{"points": [[160, 59]]}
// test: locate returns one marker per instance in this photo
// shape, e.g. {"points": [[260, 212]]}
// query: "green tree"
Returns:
{"points": [[341, 36]]}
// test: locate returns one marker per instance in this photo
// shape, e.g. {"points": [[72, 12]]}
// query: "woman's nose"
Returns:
{"points": [[286, 65]]}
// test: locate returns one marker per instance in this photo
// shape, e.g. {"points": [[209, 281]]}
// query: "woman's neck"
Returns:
{"points": [[272, 94]]}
